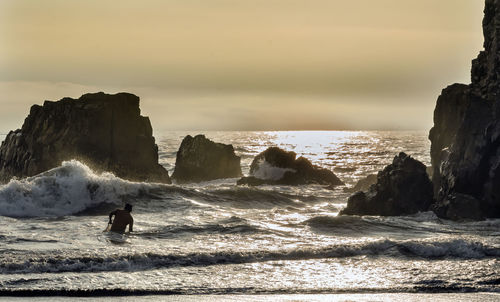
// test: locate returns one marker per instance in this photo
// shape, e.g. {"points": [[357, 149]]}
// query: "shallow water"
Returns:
{"points": [[387, 297], [219, 238]]}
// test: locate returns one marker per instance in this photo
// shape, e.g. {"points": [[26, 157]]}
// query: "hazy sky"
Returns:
{"points": [[242, 64]]}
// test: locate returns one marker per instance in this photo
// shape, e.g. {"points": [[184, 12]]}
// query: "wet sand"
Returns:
{"points": [[391, 297]]}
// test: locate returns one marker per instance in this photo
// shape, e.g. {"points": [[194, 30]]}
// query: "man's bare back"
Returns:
{"points": [[122, 219]]}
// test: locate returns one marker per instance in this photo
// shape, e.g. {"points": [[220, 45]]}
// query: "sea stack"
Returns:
{"points": [[402, 188], [104, 131], [465, 139], [200, 159], [276, 166]]}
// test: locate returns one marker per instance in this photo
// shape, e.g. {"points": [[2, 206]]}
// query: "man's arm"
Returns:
{"points": [[131, 225], [111, 215]]}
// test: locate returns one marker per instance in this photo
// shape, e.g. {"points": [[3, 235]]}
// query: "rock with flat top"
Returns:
{"points": [[107, 132], [200, 159]]}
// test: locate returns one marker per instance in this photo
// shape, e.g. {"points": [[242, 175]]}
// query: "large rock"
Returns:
{"points": [[200, 159], [402, 188], [105, 131], [277, 166], [465, 139]]}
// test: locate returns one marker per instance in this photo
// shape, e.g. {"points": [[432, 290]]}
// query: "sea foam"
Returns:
{"points": [[266, 171], [421, 249], [65, 190]]}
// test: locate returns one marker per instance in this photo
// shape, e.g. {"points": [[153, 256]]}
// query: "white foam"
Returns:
{"points": [[266, 171], [65, 190], [429, 249]]}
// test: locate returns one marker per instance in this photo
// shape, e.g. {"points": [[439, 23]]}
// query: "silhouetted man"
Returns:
{"points": [[122, 218]]}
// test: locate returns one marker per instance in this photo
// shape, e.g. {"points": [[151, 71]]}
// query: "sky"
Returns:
{"points": [[242, 64]]}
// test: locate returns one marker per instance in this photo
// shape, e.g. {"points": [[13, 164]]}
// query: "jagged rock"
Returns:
{"points": [[458, 207], [277, 166], [465, 139], [363, 184], [200, 159], [105, 131], [402, 188]]}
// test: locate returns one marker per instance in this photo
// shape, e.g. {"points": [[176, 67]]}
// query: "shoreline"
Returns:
{"points": [[231, 292], [406, 297]]}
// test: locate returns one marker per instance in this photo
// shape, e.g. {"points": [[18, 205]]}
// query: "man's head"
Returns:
{"points": [[128, 207]]}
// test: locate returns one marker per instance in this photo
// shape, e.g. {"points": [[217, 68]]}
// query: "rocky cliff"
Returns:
{"points": [[200, 159], [465, 139], [105, 131]]}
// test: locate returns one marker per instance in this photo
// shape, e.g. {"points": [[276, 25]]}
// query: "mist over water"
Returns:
{"points": [[216, 237]]}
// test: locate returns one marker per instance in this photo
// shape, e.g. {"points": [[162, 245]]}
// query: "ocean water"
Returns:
{"points": [[216, 238]]}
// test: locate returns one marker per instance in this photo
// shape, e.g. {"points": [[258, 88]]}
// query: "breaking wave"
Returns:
{"points": [[69, 189], [455, 248], [74, 188], [266, 171]]}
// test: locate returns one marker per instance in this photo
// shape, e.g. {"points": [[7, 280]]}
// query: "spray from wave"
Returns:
{"points": [[266, 171], [69, 189]]}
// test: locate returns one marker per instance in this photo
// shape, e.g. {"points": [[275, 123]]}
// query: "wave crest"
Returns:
{"points": [[68, 189], [428, 249]]}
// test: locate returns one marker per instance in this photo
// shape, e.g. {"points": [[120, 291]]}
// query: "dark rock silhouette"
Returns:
{"points": [[459, 207], [105, 131], [465, 139], [365, 183], [402, 188], [200, 159], [277, 166]]}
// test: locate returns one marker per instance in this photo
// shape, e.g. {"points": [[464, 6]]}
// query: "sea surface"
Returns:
{"points": [[216, 238]]}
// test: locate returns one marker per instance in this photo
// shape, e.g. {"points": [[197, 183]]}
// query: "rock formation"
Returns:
{"points": [[402, 188], [277, 166], [105, 131], [200, 159], [459, 207], [465, 139]]}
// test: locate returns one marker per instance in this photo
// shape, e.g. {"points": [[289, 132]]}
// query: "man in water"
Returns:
{"points": [[122, 218]]}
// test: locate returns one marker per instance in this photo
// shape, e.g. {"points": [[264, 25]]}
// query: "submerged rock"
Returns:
{"points": [[277, 166], [458, 207], [105, 131], [465, 139], [200, 159], [363, 184], [402, 188]]}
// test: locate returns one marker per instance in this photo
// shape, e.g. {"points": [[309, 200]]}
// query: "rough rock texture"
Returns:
{"points": [[465, 139], [105, 131], [402, 188], [200, 159], [459, 207], [277, 166]]}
